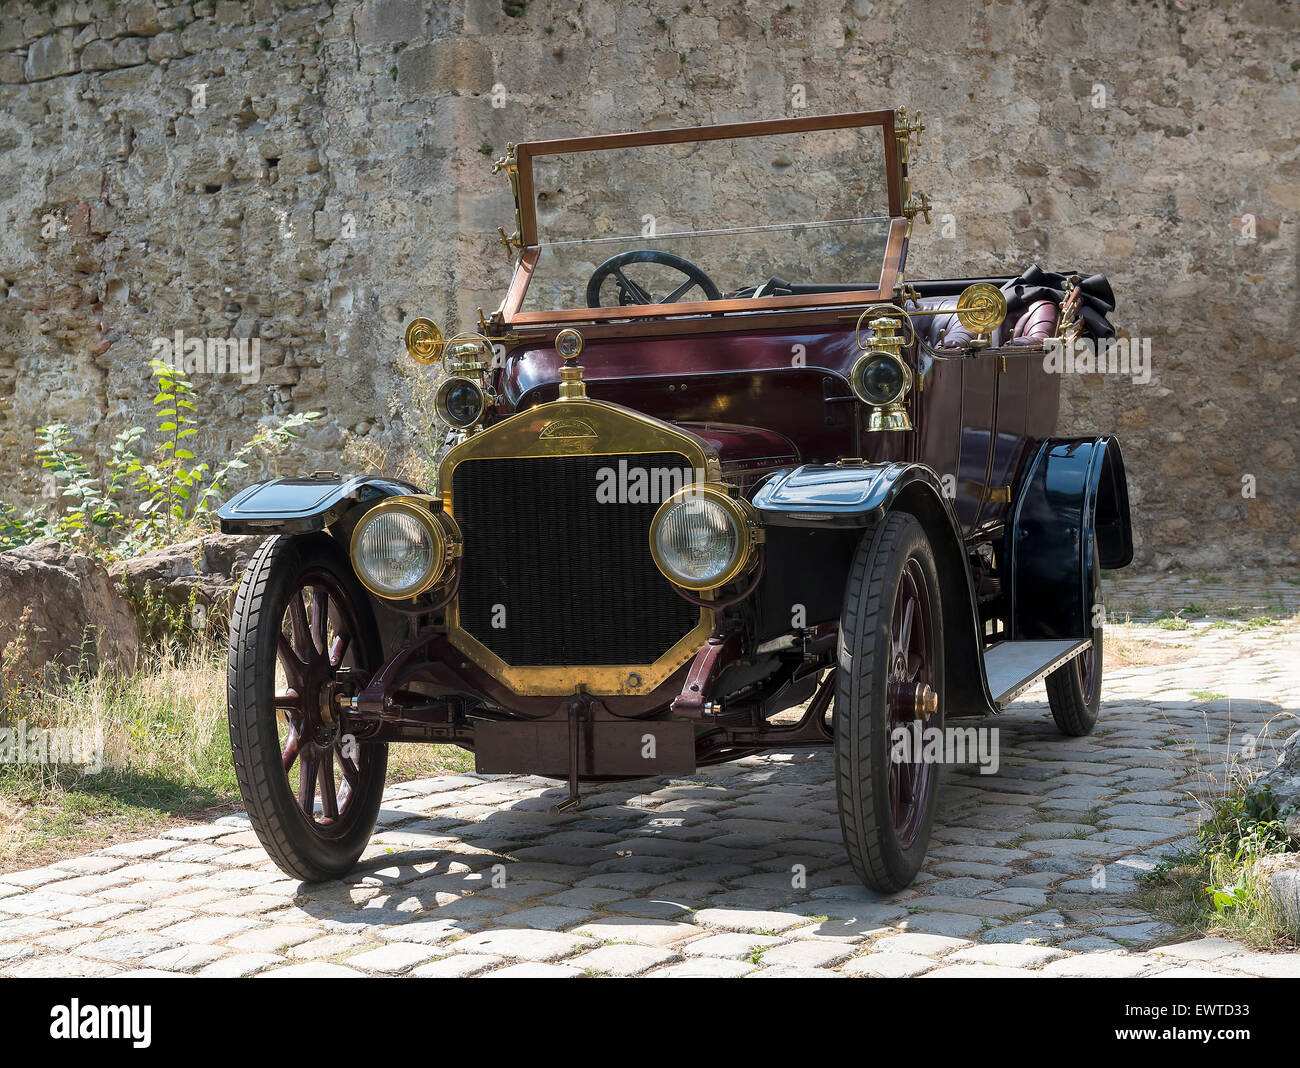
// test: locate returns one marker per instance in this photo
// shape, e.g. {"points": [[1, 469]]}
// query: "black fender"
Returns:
{"points": [[817, 496], [303, 505], [1073, 498]]}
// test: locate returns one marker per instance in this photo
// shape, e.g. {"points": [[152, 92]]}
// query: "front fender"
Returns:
{"points": [[303, 505], [830, 495], [817, 496]]}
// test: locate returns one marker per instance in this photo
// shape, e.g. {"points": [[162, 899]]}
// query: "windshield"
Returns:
{"points": [[740, 218]]}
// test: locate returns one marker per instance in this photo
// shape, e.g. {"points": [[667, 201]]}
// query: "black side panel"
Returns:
{"points": [[805, 569], [1074, 496]]}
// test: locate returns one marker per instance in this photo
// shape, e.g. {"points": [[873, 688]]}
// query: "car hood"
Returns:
{"points": [[745, 450]]}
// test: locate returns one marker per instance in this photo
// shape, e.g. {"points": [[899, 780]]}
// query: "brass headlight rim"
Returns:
{"points": [[871, 354], [442, 530], [439, 343], [439, 405], [744, 517]]}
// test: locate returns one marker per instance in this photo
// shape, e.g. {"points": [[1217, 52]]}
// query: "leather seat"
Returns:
{"points": [[1037, 322]]}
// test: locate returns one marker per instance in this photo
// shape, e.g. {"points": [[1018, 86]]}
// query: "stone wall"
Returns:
{"points": [[330, 179]]}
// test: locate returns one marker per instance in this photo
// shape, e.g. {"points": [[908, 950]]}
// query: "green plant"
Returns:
{"points": [[174, 491], [1217, 886]]}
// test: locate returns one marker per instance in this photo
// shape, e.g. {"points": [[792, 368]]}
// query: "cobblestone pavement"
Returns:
{"points": [[737, 871]]}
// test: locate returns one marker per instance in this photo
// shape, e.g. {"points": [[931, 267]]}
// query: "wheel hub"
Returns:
{"points": [[915, 700]]}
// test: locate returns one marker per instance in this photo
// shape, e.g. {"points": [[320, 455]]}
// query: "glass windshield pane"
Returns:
{"points": [[771, 215]]}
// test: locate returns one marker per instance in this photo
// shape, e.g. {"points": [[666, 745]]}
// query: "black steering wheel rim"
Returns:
{"points": [[615, 264]]}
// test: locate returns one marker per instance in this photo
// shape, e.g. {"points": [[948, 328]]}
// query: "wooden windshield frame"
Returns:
{"points": [[687, 314]]}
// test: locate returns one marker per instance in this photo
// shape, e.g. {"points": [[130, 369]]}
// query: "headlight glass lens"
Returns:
{"points": [[879, 379], [459, 402], [698, 541], [395, 554]]}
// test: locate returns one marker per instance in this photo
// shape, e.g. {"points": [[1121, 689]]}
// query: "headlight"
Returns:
{"points": [[879, 378], [460, 402], [400, 548], [701, 538]]}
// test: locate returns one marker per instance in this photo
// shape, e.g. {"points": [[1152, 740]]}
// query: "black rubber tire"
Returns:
{"points": [[862, 743], [280, 824], [1076, 702]]}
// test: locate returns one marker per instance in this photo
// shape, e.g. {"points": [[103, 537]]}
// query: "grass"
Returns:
{"points": [[166, 756], [1220, 886]]}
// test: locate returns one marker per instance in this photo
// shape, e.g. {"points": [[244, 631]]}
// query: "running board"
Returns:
{"points": [[1012, 667]]}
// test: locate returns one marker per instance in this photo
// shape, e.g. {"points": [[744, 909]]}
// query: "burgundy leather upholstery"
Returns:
{"points": [[1037, 322]]}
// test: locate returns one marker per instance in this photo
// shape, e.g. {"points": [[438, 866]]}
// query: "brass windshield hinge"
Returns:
{"points": [[904, 130], [917, 205], [510, 164], [511, 243]]}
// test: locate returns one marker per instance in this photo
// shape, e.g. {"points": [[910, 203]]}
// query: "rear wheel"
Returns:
{"points": [[889, 687], [1074, 689], [302, 637]]}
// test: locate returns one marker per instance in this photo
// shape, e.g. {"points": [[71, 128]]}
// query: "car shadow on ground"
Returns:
{"points": [[1046, 852]]}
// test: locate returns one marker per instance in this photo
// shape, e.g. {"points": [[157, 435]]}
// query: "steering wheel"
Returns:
{"points": [[631, 293]]}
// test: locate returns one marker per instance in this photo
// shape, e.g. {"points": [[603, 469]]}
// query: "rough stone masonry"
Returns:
{"points": [[311, 175]]}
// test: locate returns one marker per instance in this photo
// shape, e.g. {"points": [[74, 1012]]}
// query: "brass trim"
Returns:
{"points": [[889, 414], [510, 164], [569, 335], [981, 308], [748, 529], [442, 531], [579, 427], [422, 334]]}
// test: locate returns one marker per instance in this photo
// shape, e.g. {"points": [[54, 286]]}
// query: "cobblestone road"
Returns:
{"points": [[1031, 871]]}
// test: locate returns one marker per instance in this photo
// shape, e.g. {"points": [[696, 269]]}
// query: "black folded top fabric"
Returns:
{"points": [[1096, 298]]}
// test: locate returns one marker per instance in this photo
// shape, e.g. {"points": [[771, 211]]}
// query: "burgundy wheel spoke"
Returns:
{"points": [[291, 748], [905, 630], [349, 769], [912, 654], [328, 800], [307, 770], [289, 660], [319, 633], [301, 630], [339, 649], [320, 618]]}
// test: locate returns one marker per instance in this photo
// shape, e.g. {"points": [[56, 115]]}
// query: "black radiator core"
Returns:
{"points": [[555, 575]]}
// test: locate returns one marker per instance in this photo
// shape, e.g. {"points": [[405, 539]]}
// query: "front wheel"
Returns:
{"points": [[889, 694], [302, 638]]}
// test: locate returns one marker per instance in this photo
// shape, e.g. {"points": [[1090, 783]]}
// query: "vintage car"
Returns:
{"points": [[717, 480]]}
